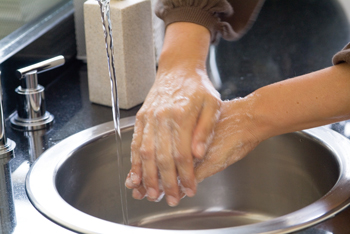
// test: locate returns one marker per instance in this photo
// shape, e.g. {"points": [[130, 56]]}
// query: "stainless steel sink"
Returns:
{"points": [[288, 183]]}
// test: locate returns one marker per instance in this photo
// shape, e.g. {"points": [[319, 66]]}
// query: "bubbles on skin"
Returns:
{"points": [[182, 101], [176, 137], [184, 98], [161, 190], [128, 182], [217, 115], [234, 125], [249, 115], [134, 136], [134, 177]]}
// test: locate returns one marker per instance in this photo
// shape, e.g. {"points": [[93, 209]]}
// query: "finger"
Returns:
{"points": [[149, 168], [128, 182], [139, 193], [219, 156], [135, 175], [204, 130], [182, 194], [165, 161], [207, 168], [183, 156]]}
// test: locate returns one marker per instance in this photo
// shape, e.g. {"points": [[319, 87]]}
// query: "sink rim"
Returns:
{"points": [[46, 167]]}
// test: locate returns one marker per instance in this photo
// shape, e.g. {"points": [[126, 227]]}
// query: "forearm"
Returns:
{"points": [[311, 100]]}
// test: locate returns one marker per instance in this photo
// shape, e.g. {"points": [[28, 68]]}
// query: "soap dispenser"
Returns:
{"points": [[134, 58], [31, 107]]}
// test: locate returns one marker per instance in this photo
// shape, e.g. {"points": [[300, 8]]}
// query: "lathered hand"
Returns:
{"points": [[234, 138], [178, 117], [236, 134], [175, 123], [291, 105]]}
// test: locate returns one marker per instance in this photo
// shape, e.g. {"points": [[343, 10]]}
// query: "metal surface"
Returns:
{"points": [[7, 217], [7, 210], [6, 145], [288, 183], [25, 35], [31, 108], [25, 73], [28, 219]]}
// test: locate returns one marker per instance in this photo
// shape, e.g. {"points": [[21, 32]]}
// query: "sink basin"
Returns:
{"points": [[288, 183]]}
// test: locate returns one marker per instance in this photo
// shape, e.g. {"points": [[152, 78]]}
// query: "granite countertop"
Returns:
{"points": [[67, 99], [288, 39]]}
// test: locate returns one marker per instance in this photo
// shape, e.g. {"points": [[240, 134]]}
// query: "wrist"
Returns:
{"points": [[185, 45], [248, 113]]}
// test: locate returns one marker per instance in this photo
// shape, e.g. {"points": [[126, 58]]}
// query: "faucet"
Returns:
{"points": [[7, 211]]}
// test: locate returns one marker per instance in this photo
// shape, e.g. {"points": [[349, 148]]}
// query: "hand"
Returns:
{"points": [[175, 122], [177, 118], [236, 134]]}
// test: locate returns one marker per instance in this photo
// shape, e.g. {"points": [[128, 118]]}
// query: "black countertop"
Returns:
{"points": [[289, 38], [67, 99]]}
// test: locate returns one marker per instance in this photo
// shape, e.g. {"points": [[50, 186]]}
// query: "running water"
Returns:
{"points": [[107, 29]]}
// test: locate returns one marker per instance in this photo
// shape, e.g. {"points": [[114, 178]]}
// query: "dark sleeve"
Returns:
{"points": [[342, 56], [216, 15]]}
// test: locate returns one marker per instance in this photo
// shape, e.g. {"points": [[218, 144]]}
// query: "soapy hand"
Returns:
{"points": [[235, 136], [175, 124]]}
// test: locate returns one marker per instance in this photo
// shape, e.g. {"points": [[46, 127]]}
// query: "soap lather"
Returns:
{"points": [[31, 108]]}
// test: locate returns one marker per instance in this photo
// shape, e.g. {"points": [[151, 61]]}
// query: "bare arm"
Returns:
{"points": [[307, 101]]}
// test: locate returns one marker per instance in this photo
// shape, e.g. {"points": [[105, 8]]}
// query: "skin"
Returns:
{"points": [[177, 120], [303, 102], [307, 101]]}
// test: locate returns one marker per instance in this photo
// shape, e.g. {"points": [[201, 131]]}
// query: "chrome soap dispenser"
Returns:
{"points": [[31, 108]]}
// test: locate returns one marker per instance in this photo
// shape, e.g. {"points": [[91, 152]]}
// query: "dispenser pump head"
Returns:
{"points": [[29, 75]]}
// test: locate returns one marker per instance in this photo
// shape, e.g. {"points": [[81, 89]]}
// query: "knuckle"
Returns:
{"points": [[182, 158], [170, 188], [163, 162], [162, 113], [147, 182], [139, 115], [135, 160], [144, 114], [146, 153], [186, 180]]}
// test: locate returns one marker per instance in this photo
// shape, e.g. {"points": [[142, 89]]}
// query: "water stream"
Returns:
{"points": [[107, 29]]}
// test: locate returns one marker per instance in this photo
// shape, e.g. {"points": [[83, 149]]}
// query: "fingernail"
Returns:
{"points": [[152, 193], [189, 192], [136, 194], [201, 149], [128, 183], [172, 201], [134, 178]]}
